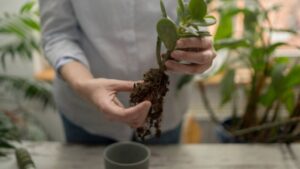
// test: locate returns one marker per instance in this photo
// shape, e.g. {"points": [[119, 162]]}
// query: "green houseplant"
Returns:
{"points": [[191, 19], [21, 31], [274, 81]]}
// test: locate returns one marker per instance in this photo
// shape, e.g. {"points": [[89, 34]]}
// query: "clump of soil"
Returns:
{"points": [[153, 89]]}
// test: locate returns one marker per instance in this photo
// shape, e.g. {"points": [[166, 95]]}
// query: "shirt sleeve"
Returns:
{"points": [[60, 32]]}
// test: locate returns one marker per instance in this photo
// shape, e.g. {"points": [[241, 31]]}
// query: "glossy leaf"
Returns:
{"points": [[6, 144], [225, 27], [181, 5], [291, 31], [268, 98], [197, 9], [274, 46], [207, 21], [231, 43], [257, 58], [163, 9], [278, 78], [31, 23], [289, 100], [292, 79], [182, 12], [27, 7], [227, 86], [167, 32]]}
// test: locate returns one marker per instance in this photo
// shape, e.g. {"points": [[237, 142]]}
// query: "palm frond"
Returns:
{"points": [[32, 89], [21, 32]]}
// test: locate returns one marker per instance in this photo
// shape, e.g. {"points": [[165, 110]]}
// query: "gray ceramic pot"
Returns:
{"points": [[126, 155]]}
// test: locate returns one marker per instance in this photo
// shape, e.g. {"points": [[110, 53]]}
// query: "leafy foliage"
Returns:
{"points": [[8, 131], [22, 32], [274, 81], [23, 29], [191, 20]]}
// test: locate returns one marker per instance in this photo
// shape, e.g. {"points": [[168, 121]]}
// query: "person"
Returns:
{"points": [[99, 49]]}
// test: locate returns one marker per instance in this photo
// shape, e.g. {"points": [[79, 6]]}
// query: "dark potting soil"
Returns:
{"points": [[153, 89]]}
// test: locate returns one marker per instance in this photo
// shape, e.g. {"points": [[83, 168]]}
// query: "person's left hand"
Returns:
{"points": [[198, 61]]}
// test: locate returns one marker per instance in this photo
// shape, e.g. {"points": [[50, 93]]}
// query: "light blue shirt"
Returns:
{"points": [[113, 39]]}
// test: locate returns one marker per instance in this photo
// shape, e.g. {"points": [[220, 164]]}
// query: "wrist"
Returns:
{"points": [[76, 74]]}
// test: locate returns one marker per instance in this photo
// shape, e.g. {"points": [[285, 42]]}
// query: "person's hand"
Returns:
{"points": [[102, 93], [198, 61]]}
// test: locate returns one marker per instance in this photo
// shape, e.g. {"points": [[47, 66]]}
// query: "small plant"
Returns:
{"points": [[191, 21]]}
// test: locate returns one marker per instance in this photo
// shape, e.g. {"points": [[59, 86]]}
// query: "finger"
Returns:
{"points": [[202, 43], [117, 101], [134, 125], [121, 85], [194, 57], [140, 119], [139, 111], [126, 114], [186, 69]]}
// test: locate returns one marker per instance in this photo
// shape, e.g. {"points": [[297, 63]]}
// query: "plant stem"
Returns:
{"points": [[285, 138], [266, 126], [166, 57], [24, 159], [234, 105], [158, 52], [207, 105], [296, 113], [266, 114], [276, 111]]}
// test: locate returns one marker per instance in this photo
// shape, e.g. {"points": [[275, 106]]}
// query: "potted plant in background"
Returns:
{"points": [[21, 33], [272, 100]]}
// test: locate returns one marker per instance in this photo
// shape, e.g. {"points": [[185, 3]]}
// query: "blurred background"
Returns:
{"points": [[256, 41]]}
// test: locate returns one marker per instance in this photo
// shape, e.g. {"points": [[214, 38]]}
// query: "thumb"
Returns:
{"points": [[122, 85]]}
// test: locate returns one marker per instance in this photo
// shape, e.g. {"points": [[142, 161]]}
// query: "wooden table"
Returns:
{"points": [[201, 156]]}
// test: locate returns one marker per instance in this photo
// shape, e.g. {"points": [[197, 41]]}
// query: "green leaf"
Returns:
{"points": [[167, 32], [181, 5], [31, 23], [182, 12], [257, 58], [6, 144], [207, 21], [278, 78], [197, 9], [231, 43], [27, 7], [225, 27], [291, 31], [268, 98], [183, 81], [274, 46], [292, 78], [227, 86], [163, 9], [31, 89], [282, 60], [251, 22], [289, 100]]}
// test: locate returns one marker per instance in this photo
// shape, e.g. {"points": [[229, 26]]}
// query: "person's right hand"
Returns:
{"points": [[102, 93]]}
